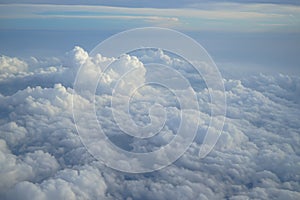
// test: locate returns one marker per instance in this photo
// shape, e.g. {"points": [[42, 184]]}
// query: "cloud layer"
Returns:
{"points": [[42, 157], [230, 17]]}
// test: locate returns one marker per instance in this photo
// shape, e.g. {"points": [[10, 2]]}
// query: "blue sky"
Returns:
{"points": [[259, 35]]}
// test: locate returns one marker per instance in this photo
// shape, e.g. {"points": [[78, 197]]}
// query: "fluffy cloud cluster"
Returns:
{"points": [[42, 156]]}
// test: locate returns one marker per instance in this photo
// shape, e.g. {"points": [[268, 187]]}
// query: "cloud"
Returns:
{"points": [[215, 16], [144, 3], [34, 166], [85, 183], [11, 66], [42, 157]]}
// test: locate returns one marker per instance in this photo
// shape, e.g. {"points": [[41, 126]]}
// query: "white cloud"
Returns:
{"points": [[42, 157], [11, 66], [84, 183]]}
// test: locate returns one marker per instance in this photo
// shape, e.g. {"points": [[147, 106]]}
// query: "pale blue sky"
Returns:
{"points": [[259, 35], [147, 3], [207, 17]]}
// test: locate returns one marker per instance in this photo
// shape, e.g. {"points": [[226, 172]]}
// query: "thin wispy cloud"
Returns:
{"points": [[214, 16]]}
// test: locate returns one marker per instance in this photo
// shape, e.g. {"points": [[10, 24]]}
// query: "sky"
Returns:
{"points": [[81, 119], [260, 35]]}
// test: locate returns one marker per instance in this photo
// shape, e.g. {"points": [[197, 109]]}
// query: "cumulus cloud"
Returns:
{"points": [[42, 156], [10, 66]]}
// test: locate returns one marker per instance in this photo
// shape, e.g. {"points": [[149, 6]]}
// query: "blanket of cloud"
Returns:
{"points": [[42, 157]]}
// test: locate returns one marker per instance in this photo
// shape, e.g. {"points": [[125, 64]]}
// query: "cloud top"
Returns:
{"points": [[42, 157]]}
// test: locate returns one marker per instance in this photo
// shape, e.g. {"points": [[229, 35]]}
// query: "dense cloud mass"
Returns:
{"points": [[42, 157]]}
